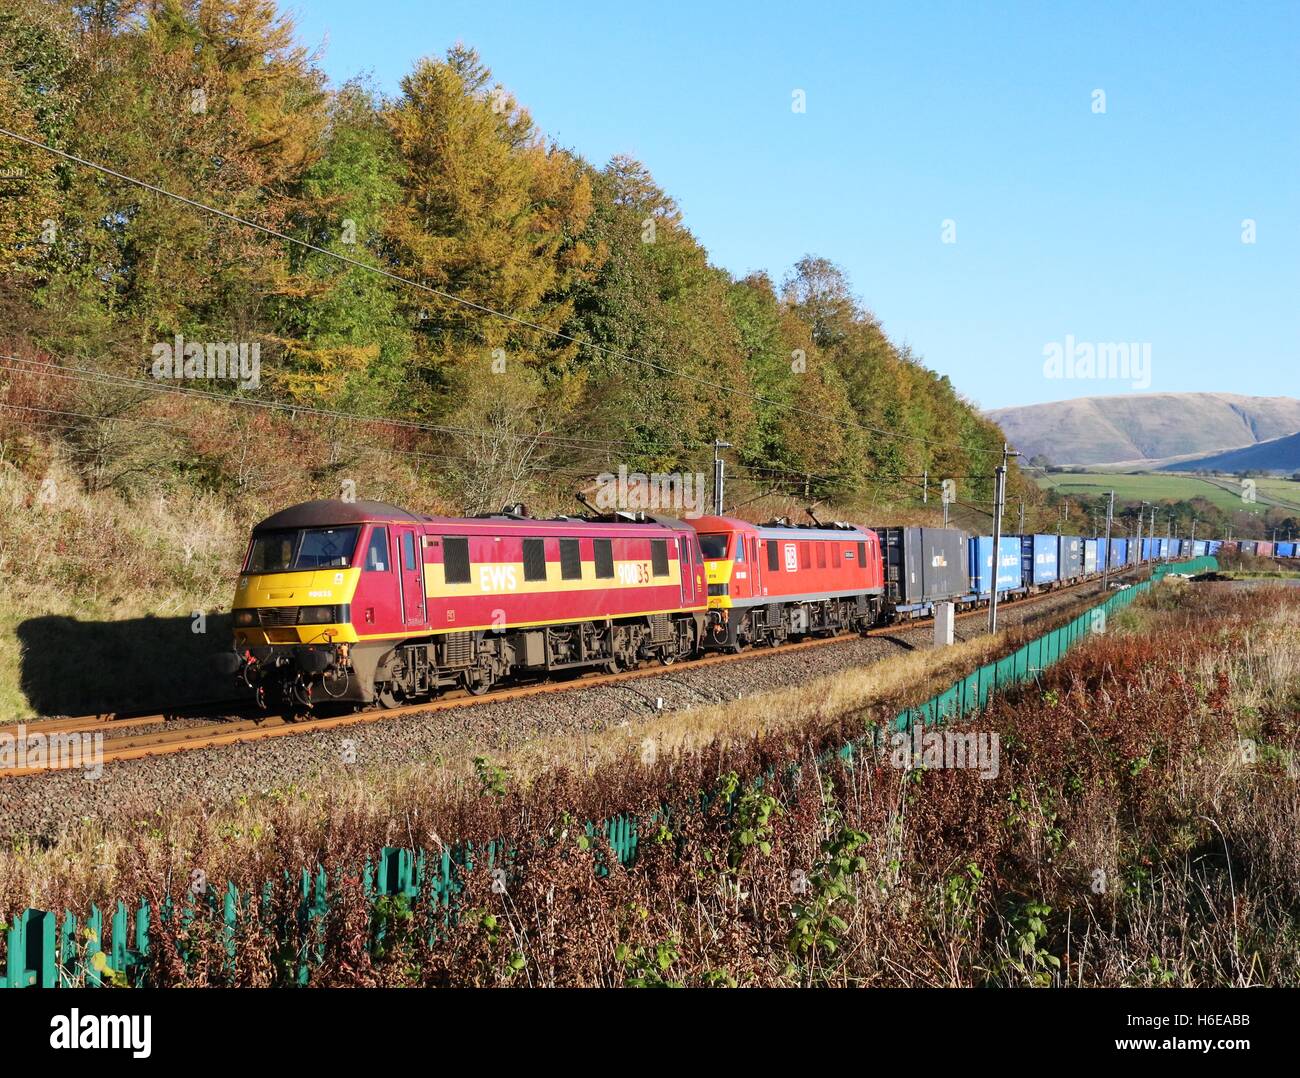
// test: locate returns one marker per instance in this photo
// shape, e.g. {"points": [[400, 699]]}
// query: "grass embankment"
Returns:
{"points": [[96, 612], [1143, 828]]}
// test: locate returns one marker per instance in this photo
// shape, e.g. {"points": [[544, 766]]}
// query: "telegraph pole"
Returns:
{"points": [[925, 487], [1110, 514], [1139, 535], [719, 467], [999, 501]]}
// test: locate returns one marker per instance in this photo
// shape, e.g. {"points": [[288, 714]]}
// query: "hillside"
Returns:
{"points": [[1148, 429], [1281, 455]]}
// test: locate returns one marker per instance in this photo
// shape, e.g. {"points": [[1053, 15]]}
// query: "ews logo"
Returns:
{"points": [[493, 578]]}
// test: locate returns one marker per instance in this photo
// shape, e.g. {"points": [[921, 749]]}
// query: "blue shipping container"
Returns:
{"points": [[1215, 545], [981, 563], [1038, 559], [1089, 557], [1200, 548], [1286, 550], [1118, 552]]}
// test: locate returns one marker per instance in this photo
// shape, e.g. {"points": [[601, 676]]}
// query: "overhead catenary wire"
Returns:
{"points": [[468, 303]]}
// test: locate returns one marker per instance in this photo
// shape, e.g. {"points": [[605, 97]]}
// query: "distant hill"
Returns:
{"points": [[1147, 429], [1280, 455]]}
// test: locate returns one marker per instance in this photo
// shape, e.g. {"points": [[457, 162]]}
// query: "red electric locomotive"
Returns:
{"points": [[358, 601], [769, 582]]}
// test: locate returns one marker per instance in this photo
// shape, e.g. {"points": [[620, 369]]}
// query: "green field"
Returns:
{"points": [[1222, 492]]}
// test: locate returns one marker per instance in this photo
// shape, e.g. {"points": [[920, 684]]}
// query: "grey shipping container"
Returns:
{"points": [[923, 564], [1069, 559]]}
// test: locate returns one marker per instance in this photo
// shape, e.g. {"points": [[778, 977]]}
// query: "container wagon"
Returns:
{"points": [[922, 566]]}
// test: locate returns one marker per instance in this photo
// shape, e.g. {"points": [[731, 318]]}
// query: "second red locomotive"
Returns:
{"points": [[769, 582]]}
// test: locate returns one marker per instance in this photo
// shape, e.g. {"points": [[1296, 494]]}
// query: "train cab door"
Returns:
{"points": [[755, 569], [688, 564], [410, 574]]}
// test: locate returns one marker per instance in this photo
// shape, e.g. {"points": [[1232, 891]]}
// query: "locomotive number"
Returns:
{"points": [[633, 572]]}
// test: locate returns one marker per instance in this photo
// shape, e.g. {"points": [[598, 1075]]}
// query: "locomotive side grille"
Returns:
{"points": [[277, 615], [457, 649], [661, 628], [534, 559]]}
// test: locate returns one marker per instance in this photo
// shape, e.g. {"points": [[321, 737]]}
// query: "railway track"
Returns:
{"points": [[238, 722]]}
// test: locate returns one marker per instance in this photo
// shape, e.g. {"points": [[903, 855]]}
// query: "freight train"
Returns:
{"points": [[362, 602]]}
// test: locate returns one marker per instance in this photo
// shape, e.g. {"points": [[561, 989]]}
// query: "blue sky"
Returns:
{"points": [[1115, 227]]}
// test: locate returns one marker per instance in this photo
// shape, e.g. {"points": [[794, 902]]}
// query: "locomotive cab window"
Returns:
{"points": [[302, 548], [714, 546], [773, 557], [455, 558], [659, 556], [377, 552], [534, 559], [570, 560], [603, 549]]}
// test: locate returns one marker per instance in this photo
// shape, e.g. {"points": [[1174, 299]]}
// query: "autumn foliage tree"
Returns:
{"points": [[529, 315]]}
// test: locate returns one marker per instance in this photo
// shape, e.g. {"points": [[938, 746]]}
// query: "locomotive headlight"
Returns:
{"points": [[245, 617], [318, 615]]}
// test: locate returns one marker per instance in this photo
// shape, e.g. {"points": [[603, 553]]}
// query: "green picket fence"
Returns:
{"points": [[43, 950]]}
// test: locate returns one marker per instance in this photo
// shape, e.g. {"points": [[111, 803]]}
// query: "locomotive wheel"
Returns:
{"points": [[388, 697]]}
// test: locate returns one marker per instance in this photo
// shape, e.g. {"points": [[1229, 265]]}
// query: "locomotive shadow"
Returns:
{"points": [[72, 667]]}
